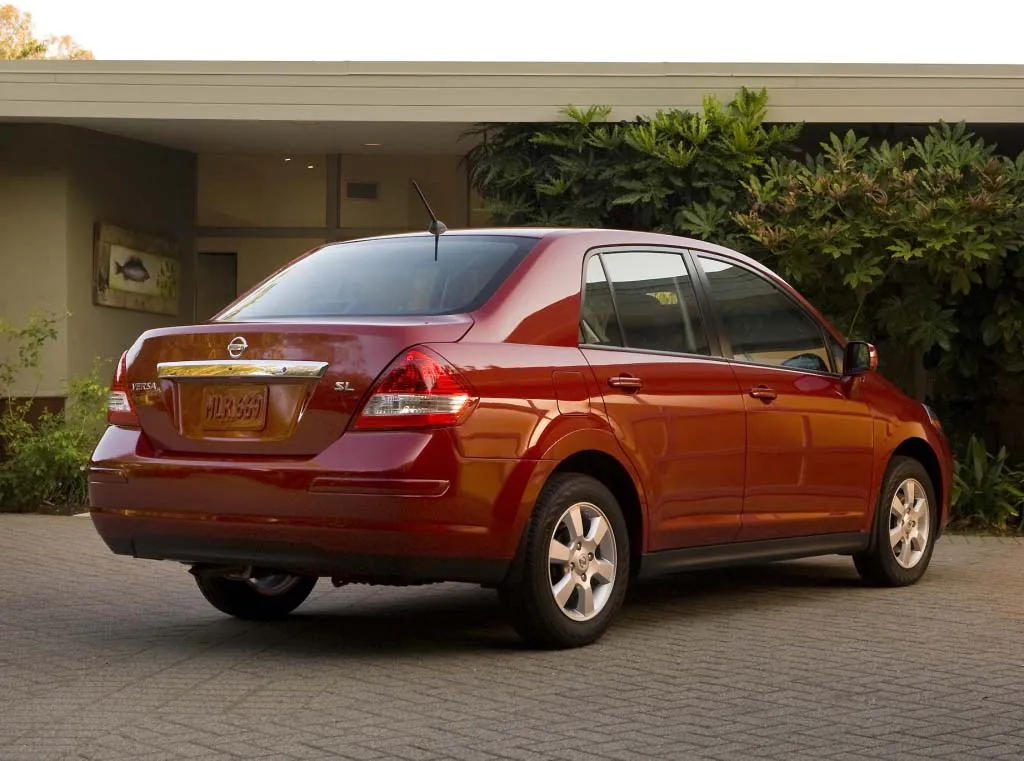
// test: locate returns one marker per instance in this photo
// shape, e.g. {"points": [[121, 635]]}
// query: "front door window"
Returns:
{"points": [[762, 324]]}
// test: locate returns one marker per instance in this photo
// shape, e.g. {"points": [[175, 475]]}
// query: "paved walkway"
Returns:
{"points": [[104, 657]]}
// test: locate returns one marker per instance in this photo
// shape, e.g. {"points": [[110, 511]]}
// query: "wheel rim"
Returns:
{"points": [[273, 584], [582, 561], [909, 523]]}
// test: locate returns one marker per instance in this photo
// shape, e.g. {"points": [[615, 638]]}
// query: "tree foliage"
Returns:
{"points": [[901, 236], [676, 171], [18, 41], [917, 245]]}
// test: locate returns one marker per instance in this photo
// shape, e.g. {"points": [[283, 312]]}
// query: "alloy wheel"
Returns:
{"points": [[909, 523], [582, 557]]}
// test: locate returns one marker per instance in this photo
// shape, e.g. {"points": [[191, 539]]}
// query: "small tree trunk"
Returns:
{"points": [[920, 377]]}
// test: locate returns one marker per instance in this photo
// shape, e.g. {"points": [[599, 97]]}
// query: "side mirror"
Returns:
{"points": [[861, 357]]}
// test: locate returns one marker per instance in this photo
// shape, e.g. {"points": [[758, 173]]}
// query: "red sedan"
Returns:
{"points": [[549, 412]]}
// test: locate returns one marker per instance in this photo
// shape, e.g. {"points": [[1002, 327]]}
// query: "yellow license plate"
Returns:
{"points": [[235, 408]]}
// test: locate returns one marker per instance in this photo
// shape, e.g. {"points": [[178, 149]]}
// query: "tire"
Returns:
{"points": [[584, 563], [256, 599], [885, 561]]}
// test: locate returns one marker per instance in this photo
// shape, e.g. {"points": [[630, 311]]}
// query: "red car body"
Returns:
{"points": [[713, 460]]}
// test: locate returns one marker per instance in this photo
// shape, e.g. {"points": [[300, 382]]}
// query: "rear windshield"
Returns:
{"points": [[388, 277]]}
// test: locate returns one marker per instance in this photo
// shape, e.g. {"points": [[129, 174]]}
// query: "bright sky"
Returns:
{"points": [[878, 31]]}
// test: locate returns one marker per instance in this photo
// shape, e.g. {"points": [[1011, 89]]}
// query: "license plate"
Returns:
{"points": [[234, 408]]}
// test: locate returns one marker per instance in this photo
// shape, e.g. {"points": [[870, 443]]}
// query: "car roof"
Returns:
{"points": [[594, 236]]}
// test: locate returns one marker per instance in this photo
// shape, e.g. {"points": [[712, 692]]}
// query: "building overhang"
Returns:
{"points": [[342, 107]]}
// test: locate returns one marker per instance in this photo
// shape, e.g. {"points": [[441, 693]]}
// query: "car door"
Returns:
{"points": [[676, 409], [809, 444]]}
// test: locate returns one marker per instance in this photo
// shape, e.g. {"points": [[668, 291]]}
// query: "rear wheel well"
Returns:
{"points": [[610, 472], [920, 450]]}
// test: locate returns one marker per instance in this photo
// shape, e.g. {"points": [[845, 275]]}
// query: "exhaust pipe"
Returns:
{"points": [[208, 571]]}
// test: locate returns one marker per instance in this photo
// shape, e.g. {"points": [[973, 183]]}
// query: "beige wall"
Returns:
{"points": [[442, 178], [282, 194], [32, 270], [137, 186], [258, 257], [56, 183], [261, 191]]}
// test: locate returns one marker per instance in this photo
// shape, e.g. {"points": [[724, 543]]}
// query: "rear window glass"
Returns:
{"points": [[388, 277]]}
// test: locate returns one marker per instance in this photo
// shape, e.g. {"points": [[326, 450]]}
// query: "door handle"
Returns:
{"points": [[764, 393], [625, 382]]}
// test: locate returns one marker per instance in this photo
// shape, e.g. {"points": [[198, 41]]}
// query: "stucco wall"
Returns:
{"points": [[442, 179], [33, 202], [56, 182], [138, 186], [258, 257], [238, 190]]}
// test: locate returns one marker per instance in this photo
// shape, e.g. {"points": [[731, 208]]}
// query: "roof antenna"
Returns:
{"points": [[437, 227]]}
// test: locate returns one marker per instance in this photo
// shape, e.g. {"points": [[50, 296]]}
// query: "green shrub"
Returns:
{"points": [[24, 348], [987, 492], [916, 245], [44, 461], [675, 171]]}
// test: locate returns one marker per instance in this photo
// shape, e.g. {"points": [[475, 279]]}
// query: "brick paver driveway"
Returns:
{"points": [[103, 657]]}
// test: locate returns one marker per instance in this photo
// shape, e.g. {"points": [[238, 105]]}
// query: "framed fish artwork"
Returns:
{"points": [[135, 270]]}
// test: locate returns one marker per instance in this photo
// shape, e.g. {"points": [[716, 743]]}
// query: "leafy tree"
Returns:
{"points": [[674, 172], [18, 42], [918, 245], [64, 47]]}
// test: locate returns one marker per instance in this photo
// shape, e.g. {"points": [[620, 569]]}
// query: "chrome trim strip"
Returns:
{"points": [[281, 369]]}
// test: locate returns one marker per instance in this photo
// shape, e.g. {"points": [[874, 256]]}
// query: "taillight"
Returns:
{"points": [[119, 401], [417, 391]]}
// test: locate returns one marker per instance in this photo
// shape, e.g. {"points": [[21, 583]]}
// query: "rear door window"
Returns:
{"points": [[651, 301], [388, 277], [599, 324]]}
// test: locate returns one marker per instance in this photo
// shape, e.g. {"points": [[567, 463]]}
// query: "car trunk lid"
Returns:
{"points": [[267, 389]]}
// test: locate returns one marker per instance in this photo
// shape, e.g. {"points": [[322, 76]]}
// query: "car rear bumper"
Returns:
{"points": [[295, 549], [375, 506]]}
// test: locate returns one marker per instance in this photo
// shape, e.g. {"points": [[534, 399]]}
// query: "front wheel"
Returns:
{"points": [[906, 520], [575, 565], [261, 597]]}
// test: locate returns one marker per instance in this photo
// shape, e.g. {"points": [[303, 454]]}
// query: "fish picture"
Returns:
{"points": [[141, 273], [132, 269]]}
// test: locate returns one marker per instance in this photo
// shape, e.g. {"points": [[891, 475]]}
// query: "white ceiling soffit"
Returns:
{"points": [[222, 136]]}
